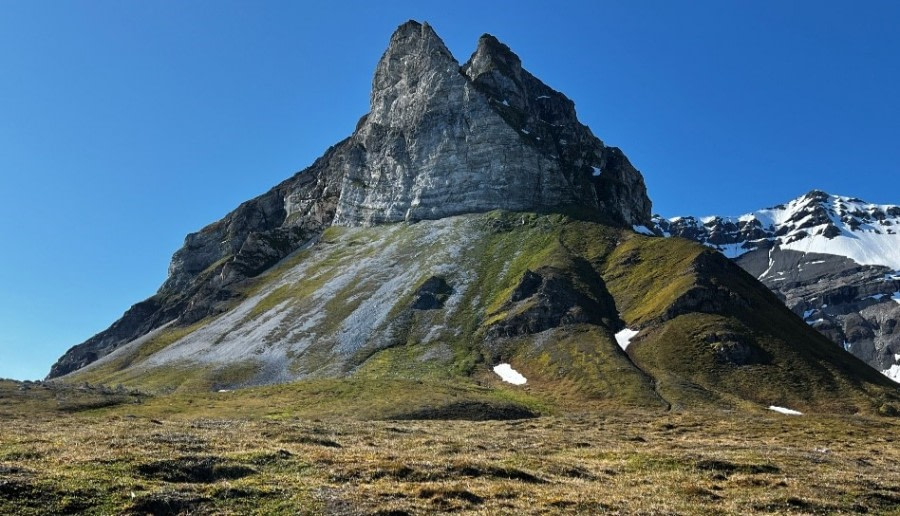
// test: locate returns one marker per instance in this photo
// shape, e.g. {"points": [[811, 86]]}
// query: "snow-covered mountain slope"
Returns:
{"points": [[868, 234], [833, 260]]}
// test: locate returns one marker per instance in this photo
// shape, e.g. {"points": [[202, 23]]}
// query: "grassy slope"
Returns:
{"points": [[800, 368], [647, 277]]}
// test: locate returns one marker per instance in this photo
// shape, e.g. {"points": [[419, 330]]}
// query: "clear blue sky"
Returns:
{"points": [[126, 125]]}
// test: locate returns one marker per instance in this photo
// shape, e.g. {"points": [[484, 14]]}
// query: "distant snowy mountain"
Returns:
{"points": [[834, 260], [868, 234]]}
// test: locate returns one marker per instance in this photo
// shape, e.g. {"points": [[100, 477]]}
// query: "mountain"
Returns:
{"points": [[439, 140], [833, 260], [470, 221]]}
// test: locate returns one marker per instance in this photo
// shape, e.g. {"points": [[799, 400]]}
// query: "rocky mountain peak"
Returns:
{"points": [[817, 195], [415, 54], [440, 139], [490, 55], [438, 142], [414, 36], [816, 222], [497, 72]]}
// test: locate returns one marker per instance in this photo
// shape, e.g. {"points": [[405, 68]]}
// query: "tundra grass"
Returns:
{"points": [[135, 458]]}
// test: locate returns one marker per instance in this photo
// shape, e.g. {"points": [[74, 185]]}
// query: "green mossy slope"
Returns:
{"points": [[544, 292]]}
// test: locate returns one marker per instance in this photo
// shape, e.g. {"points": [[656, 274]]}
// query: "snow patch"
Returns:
{"points": [[596, 172], [893, 372], [786, 411], [644, 230], [509, 375], [864, 248], [505, 102], [733, 250], [771, 264], [896, 297], [623, 337]]}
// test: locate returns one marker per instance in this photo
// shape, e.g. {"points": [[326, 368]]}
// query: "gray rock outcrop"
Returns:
{"points": [[849, 303], [442, 140]]}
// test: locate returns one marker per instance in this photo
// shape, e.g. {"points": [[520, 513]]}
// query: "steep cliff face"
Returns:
{"points": [[602, 177], [441, 139]]}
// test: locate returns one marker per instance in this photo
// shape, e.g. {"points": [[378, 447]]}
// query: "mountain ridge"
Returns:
{"points": [[834, 260], [814, 222]]}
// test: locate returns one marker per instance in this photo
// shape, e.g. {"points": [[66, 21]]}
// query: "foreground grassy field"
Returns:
{"points": [[81, 450]]}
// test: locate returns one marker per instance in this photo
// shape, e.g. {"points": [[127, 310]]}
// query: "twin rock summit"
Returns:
{"points": [[470, 220]]}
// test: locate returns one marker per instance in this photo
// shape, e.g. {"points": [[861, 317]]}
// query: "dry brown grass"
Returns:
{"points": [[626, 462]]}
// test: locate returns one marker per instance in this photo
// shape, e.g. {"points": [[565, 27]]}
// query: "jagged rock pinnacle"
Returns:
{"points": [[438, 142], [492, 54], [416, 58]]}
